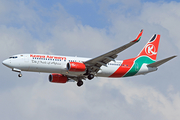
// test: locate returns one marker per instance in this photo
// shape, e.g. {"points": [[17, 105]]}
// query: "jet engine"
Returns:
{"points": [[76, 67], [57, 78]]}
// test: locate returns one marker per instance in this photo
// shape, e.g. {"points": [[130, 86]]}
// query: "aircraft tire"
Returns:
{"points": [[19, 75], [90, 76], [79, 83]]}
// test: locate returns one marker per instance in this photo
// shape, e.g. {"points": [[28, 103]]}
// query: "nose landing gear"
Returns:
{"points": [[17, 70], [19, 75]]}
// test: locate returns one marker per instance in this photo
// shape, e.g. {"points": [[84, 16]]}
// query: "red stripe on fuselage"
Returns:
{"points": [[124, 68]]}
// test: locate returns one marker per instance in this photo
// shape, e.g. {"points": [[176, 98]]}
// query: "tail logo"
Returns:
{"points": [[150, 50]]}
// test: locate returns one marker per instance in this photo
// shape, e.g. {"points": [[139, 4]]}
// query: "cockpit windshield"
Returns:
{"points": [[13, 57]]}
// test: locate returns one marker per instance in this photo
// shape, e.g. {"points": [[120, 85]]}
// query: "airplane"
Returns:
{"points": [[66, 69]]}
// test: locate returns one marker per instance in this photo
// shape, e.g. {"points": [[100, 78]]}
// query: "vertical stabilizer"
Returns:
{"points": [[151, 48]]}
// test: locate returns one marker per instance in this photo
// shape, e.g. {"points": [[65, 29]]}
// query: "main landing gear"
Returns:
{"points": [[90, 76], [79, 83]]}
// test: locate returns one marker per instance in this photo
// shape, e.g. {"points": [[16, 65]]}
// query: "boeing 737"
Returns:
{"points": [[64, 68]]}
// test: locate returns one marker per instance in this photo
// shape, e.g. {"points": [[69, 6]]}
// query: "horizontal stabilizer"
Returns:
{"points": [[158, 63]]}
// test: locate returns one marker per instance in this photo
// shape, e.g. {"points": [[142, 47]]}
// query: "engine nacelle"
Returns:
{"points": [[76, 67], [57, 78]]}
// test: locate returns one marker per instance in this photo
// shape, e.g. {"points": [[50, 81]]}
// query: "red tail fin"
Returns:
{"points": [[151, 47]]}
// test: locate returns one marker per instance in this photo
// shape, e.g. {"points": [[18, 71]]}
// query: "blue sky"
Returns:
{"points": [[89, 28], [89, 11]]}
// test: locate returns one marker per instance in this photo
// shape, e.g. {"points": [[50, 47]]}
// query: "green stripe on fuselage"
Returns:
{"points": [[138, 64]]}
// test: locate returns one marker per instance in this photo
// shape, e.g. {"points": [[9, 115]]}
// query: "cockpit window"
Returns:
{"points": [[13, 57]]}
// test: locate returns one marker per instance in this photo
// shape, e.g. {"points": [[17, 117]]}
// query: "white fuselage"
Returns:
{"points": [[58, 64], [54, 64]]}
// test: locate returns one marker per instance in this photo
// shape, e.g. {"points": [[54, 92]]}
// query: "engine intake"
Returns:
{"points": [[76, 67], [57, 78]]}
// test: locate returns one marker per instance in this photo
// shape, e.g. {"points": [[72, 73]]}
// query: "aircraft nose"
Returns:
{"points": [[5, 62]]}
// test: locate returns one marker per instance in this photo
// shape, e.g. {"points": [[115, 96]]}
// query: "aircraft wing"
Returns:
{"points": [[94, 64]]}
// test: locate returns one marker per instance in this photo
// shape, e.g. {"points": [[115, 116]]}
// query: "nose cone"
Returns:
{"points": [[6, 63]]}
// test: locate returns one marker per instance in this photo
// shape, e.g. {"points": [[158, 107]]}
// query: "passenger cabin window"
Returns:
{"points": [[13, 57]]}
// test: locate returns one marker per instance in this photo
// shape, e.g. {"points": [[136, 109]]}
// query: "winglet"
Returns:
{"points": [[138, 37]]}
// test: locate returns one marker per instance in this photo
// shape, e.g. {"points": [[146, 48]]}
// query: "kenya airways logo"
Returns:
{"points": [[150, 49]]}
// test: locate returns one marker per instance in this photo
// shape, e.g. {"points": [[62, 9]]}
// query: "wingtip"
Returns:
{"points": [[139, 36], [174, 56]]}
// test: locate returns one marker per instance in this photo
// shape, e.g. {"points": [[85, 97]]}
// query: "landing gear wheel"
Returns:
{"points": [[19, 75], [90, 76], [79, 83]]}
